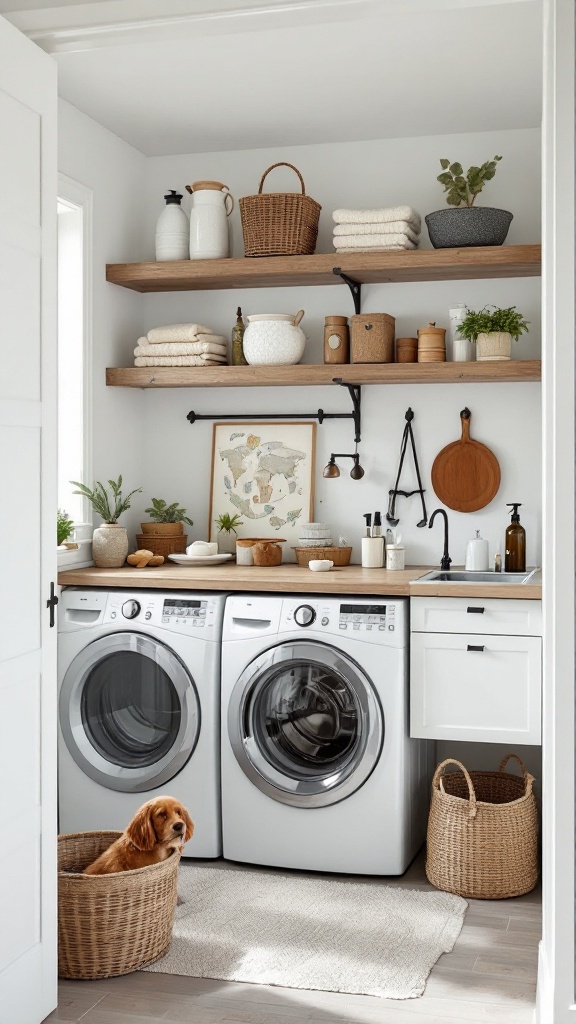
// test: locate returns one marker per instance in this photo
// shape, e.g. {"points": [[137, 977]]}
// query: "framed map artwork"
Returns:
{"points": [[264, 472]]}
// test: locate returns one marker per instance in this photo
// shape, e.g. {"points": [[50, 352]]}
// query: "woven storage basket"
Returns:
{"points": [[279, 223], [372, 338], [111, 924], [340, 556], [482, 832], [158, 544]]}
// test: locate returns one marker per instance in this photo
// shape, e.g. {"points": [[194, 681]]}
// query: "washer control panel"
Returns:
{"points": [[175, 609], [367, 617], [371, 620], [194, 615]]}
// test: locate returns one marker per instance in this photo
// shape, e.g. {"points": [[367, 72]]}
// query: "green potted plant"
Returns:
{"points": [[492, 329], [466, 224], [110, 540], [164, 535], [64, 530], [227, 527]]}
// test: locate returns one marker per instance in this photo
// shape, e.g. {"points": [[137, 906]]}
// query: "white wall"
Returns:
{"points": [[506, 417], [96, 158]]}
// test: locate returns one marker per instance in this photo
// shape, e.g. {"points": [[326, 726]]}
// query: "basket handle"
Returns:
{"points": [[528, 779], [437, 782], [282, 163]]}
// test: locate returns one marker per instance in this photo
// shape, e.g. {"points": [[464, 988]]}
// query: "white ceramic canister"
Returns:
{"points": [[372, 552], [395, 556], [209, 238], [477, 554], [172, 230], [461, 350], [274, 339]]}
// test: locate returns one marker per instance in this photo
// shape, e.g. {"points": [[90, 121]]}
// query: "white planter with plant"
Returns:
{"points": [[226, 537], [164, 535], [110, 540], [493, 331], [465, 224]]}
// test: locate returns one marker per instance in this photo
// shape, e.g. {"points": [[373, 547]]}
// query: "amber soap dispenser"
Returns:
{"points": [[515, 543]]}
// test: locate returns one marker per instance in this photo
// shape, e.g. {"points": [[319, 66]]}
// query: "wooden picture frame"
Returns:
{"points": [[243, 481]]}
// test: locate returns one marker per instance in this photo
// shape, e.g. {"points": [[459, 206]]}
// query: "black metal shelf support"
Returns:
{"points": [[354, 286]]}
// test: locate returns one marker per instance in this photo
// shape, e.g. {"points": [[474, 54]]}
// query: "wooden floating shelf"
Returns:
{"points": [[303, 375], [364, 268]]}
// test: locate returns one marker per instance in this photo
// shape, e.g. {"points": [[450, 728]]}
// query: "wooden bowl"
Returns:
{"points": [[267, 553]]}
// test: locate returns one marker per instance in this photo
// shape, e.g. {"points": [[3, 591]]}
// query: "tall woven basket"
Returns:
{"points": [[482, 832], [279, 223], [111, 924]]}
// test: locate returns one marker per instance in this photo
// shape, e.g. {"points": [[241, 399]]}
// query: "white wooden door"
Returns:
{"points": [[28, 184]]}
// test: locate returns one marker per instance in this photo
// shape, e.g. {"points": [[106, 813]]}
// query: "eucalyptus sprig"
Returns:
{"points": [[463, 189], [108, 508], [229, 523], [508, 321], [160, 512]]}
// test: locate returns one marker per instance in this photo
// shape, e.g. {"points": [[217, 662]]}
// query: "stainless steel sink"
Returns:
{"points": [[461, 576]]}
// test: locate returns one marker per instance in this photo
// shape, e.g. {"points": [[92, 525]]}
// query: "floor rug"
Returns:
{"points": [[310, 933]]}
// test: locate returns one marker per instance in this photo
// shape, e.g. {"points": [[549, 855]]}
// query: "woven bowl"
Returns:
{"points": [[111, 924], [339, 556]]}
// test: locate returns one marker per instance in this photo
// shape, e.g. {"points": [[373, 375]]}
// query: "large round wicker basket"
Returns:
{"points": [[111, 924], [482, 832]]}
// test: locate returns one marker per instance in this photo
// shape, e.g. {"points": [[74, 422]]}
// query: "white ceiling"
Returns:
{"points": [[190, 76]]}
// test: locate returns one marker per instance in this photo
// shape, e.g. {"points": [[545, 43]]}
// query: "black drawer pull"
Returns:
{"points": [[472, 647], [480, 611]]}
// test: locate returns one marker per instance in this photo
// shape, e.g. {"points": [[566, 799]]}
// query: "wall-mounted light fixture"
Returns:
{"points": [[331, 471]]}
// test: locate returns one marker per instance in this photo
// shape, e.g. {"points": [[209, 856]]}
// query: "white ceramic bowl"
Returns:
{"points": [[201, 548], [272, 339], [320, 564]]}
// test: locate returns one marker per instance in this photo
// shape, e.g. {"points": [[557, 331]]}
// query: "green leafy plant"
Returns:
{"points": [[160, 512], [228, 523], [463, 189], [508, 320], [109, 508], [64, 526]]}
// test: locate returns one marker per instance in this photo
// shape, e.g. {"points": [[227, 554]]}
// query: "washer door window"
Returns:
{"points": [[305, 724], [129, 712]]}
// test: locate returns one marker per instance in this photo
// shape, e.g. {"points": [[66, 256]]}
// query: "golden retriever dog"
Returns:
{"points": [[158, 828]]}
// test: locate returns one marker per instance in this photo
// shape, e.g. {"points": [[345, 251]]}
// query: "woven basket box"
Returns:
{"points": [[372, 338], [279, 223]]}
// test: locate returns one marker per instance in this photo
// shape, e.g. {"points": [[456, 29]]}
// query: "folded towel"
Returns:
{"points": [[375, 248], [369, 242], [209, 359], [394, 227], [184, 348], [382, 216], [176, 332]]}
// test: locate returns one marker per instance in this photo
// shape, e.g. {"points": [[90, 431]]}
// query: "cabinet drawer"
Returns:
{"points": [[476, 615], [475, 687]]}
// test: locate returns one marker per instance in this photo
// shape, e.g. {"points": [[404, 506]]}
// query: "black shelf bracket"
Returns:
{"points": [[354, 390], [354, 286]]}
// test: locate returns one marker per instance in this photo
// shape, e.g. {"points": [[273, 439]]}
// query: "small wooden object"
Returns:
{"points": [[336, 339], [406, 350], [466, 474], [266, 553], [432, 344], [142, 557], [372, 338]]}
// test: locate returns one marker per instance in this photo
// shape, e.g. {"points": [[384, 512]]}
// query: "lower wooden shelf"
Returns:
{"points": [[304, 375]]}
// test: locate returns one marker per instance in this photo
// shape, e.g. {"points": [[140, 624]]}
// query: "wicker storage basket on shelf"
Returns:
{"points": [[340, 556], [482, 832], [279, 223], [159, 544], [111, 924]]}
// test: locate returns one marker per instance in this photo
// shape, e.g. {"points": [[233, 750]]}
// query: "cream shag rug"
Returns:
{"points": [[311, 933]]}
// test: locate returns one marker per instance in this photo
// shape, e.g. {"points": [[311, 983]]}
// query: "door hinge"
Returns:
{"points": [[51, 604]]}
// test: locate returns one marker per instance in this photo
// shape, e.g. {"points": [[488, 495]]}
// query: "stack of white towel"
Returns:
{"points": [[394, 227], [181, 345]]}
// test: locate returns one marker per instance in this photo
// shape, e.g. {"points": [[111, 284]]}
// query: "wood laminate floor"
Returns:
{"points": [[490, 976]]}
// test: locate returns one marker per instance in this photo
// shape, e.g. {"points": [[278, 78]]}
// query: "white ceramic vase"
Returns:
{"points": [[226, 542], [495, 345], [109, 546], [274, 339], [209, 239]]}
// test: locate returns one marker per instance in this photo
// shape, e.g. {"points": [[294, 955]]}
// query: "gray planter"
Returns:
{"points": [[457, 227]]}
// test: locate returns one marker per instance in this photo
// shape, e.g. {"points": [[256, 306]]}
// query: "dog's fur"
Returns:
{"points": [[158, 828]]}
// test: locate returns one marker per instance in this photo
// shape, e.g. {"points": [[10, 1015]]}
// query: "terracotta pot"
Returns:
{"points": [[493, 346], [109, 546], [267, 554], [163, 529]]}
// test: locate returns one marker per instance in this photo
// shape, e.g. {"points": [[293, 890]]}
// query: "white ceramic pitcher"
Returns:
{"points": [[209, 238]]}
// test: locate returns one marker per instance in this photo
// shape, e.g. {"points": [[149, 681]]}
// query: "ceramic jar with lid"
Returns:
{"points": [[336, 339], [406, 350], [274, 339], [209, 238]]}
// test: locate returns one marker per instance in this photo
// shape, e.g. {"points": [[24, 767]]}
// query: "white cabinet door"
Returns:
{"points": [[28, 948], [475, 687], [476, 615]]}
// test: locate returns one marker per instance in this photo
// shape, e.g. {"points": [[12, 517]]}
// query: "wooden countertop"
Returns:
{"points": [[351, 579]]}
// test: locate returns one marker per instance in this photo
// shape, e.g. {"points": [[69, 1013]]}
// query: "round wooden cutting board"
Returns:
{"points": [[466, 474]]}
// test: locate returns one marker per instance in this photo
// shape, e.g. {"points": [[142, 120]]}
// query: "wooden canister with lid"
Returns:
{"points": [[336, 339], [406, 350], [432, 344]]}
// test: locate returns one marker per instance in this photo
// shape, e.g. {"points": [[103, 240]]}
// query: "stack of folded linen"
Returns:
{"points": [[394, 227], [181, 345]]}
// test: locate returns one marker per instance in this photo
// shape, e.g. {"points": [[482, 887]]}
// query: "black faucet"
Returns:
{"points": [[445, 560]]}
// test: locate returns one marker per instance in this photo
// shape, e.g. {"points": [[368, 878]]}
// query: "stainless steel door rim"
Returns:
{"points": [[305, 724]]}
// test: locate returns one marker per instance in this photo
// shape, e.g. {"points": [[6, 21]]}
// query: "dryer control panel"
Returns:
{"points": [[373, 620]]}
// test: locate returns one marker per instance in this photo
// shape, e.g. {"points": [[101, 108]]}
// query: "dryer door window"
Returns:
{"points": [[305, 724], [129, 712]]}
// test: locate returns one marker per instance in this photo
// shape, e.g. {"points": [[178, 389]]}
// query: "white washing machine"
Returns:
{"points": [[318, 770], [139, 708]]}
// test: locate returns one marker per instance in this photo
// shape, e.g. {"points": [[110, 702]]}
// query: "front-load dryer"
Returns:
{"points": [[318, 769], [139, 708]]}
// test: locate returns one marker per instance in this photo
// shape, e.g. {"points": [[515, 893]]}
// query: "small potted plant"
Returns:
{"points": [[227, 527], [164, 535], [492, 329], [109, 541], [65, 530], [466, 224]]}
